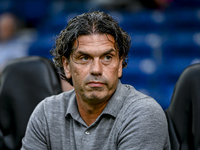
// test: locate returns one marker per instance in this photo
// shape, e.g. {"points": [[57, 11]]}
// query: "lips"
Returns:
{"points": [[96, 84]]}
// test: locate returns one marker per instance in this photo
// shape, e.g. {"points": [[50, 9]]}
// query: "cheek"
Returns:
{"points": [[113, 71], [75, 74], [78, 74]]}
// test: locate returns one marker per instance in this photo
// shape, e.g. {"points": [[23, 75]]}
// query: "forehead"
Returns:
{"points": [[95, 42]]}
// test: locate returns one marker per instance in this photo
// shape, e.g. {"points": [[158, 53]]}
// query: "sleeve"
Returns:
{"points": [[36, 131], [144, 127]]}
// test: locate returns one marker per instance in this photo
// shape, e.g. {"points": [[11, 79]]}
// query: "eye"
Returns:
{"points": [[84, 58], [107, 58]]}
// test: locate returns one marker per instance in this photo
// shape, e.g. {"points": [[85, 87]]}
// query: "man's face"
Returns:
{"points": [[95, 67]]}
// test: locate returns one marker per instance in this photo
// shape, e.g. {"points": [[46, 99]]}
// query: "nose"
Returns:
{"points": [[96, 67]]}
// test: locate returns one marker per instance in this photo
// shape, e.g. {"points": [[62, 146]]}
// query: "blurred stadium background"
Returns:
{"points": [[164, 41]]}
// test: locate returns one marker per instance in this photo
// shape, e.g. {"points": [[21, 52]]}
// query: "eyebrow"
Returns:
{"points": [[107, 52]]}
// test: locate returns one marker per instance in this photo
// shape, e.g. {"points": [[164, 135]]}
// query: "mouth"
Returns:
{"points": [[95, 84]]}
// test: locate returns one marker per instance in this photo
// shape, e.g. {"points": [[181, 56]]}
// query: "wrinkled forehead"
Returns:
{"points": [[94, 42]]}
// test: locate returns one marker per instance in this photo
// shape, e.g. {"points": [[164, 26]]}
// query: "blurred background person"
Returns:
{"points": [[14, 42]]}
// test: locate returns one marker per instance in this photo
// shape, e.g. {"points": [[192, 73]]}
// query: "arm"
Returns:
{"points": [[144, 127], [35, 136]]}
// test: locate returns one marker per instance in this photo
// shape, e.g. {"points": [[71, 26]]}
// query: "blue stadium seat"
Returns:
{"points": [[183, 19], [139, 46], [147, 20], [181, 44], [42, 46], [31, 11]]}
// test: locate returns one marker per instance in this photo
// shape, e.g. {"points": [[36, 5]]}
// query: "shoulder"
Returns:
{"points": [[60, 99], [136, 99], [55, 104], [142, 122], [142, 106]]}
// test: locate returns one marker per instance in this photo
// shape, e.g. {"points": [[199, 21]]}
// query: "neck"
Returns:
{"points": [[90, 113]]}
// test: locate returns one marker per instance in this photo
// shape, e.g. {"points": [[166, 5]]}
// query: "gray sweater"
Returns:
{"points": [[130, 121]]}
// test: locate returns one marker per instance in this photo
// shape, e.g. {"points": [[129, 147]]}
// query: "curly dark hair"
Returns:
{"points": [[95, 22]]}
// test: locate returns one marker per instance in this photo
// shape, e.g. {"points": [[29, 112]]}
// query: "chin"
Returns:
{"points": [[97, 96]]}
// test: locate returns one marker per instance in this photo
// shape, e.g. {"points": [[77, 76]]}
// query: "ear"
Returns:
{"points": [[120, 68], [66, 66]]}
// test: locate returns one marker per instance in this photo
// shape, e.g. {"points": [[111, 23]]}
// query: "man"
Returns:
{"points": [[100, 113]]}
